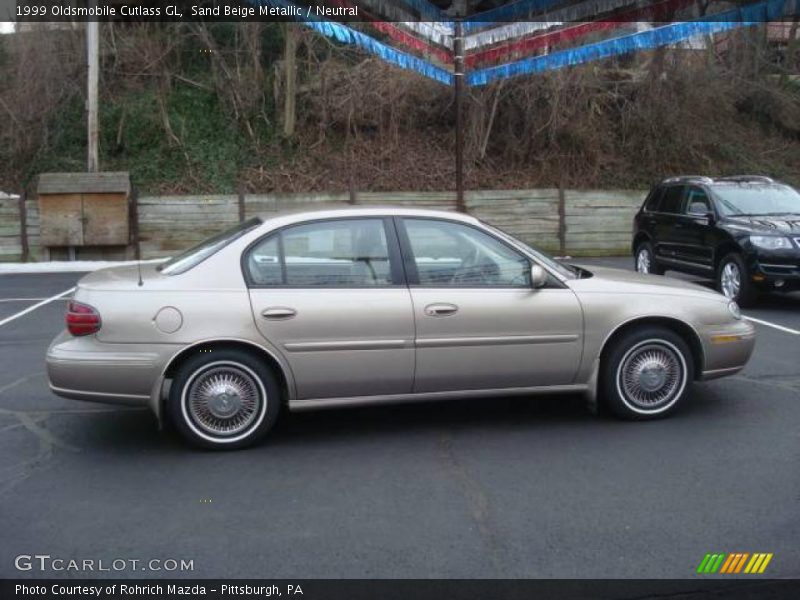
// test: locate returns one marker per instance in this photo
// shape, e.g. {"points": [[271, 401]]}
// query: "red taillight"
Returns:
{"points": [[82, 319]]}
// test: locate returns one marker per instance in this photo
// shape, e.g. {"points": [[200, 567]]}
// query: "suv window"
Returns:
{"points": [[743, 199], [694, 197], [672, 201], [342, 253], [450, 254], [653, 200]]}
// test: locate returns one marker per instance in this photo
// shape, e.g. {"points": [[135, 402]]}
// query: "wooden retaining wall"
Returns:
{"points": [[575, 222], [17, 214]]}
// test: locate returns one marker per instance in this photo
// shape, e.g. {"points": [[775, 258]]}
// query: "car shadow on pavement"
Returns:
{"points": [[472, 413], [135, 431], [789, 301], [127, 431], [490, 416]]}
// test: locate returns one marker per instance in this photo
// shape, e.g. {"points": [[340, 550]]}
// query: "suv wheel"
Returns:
{"points": [[645, 260], [224, 399], [647, 373], [733, 280]]}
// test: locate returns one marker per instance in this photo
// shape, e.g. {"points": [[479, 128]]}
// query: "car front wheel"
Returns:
{"points": [[645, 260], [733, 281], [647, 373], [224, 399]]}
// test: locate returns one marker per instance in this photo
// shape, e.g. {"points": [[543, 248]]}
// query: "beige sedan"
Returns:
{"points": [[357, 306]]}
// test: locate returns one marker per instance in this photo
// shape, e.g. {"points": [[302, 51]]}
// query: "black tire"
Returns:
{"points": [[747, 294], [247, 404], [654, 268], [667, 363]]}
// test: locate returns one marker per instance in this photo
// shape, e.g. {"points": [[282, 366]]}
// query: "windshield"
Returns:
{"points": [[743, 200], [194, 256], [546, 260]]}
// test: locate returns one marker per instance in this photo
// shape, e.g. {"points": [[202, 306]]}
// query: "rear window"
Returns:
{"points": [[194, 256]]}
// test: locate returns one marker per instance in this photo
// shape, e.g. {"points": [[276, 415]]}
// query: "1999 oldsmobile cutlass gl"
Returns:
{"points": [[360, 306]]}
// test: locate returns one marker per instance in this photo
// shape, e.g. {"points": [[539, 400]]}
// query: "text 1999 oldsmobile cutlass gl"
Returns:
{"points": [[360, 306]]}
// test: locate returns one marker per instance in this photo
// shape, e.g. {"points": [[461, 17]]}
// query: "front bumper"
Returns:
{"points": [[82, 368], [726, 349], [777, 276], [777, 270]]}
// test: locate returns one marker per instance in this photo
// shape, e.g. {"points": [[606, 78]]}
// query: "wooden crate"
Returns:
{"points": [[84, 209]]}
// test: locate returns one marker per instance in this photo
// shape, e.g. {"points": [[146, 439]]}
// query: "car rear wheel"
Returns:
{"points": [[224, 399], [733, 281], [647, 373], [645, 260]]}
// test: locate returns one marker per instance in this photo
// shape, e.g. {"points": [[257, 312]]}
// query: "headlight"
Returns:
{"points": [[735, 310], [770, 242]]}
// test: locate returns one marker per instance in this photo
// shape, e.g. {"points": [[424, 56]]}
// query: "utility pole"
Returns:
{"points": [[93, 60], [460, 8], [458, 50], [290, 80]]}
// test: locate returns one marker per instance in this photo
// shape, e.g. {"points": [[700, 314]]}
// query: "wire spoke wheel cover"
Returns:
{"points": [[730, 280], [651, 376], [224, 400]]}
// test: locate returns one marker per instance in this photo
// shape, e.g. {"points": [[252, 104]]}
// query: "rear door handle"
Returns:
{"points": [[277, 313], [441, 310]]}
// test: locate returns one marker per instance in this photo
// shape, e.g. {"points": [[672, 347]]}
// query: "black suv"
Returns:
{"points": [[743, 231]]}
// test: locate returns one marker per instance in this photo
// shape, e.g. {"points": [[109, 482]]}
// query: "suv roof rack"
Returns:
{"points": [[688, 178], [747, 178]]}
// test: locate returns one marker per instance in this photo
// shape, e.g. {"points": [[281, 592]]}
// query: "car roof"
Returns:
{"points": [[714, 181], [275, 220]]}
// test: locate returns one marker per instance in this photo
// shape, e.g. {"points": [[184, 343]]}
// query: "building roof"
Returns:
{"points": [[85, 183]]}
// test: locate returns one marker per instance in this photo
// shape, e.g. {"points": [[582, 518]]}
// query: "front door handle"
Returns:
{"points": [[277, 313], [441, 310]]}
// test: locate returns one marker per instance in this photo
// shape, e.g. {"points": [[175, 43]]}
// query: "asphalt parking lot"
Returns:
{"points": [[498, 488]]}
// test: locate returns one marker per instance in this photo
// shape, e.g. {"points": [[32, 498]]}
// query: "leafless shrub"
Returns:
{"points": [[42, 71], [364, 124]]}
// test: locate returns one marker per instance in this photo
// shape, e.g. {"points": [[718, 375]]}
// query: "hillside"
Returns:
{"points": [[201, 108]]}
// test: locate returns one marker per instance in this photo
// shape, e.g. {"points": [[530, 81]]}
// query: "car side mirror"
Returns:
{"points": [[700, 210], [539, 277]]}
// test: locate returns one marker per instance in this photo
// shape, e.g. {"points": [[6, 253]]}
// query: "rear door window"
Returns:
{"points": [[672, 202], [335, 253]]}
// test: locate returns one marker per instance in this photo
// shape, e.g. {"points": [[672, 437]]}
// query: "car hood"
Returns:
{"points": [[606, 279], [788, 224]]}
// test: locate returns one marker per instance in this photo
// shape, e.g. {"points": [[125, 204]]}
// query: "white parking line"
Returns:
{"points": [[765, 323], [22, 313], [21, 299]]}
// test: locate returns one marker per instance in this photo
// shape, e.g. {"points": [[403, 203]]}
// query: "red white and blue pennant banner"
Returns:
{"points": [[541, 26]]}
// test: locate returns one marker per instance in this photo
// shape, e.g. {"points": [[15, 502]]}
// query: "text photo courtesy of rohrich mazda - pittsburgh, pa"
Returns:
{"points": [[410, 299]]}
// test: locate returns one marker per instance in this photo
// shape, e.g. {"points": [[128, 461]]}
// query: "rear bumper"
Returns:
{"points": [[727, 349], [81, 368]]}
